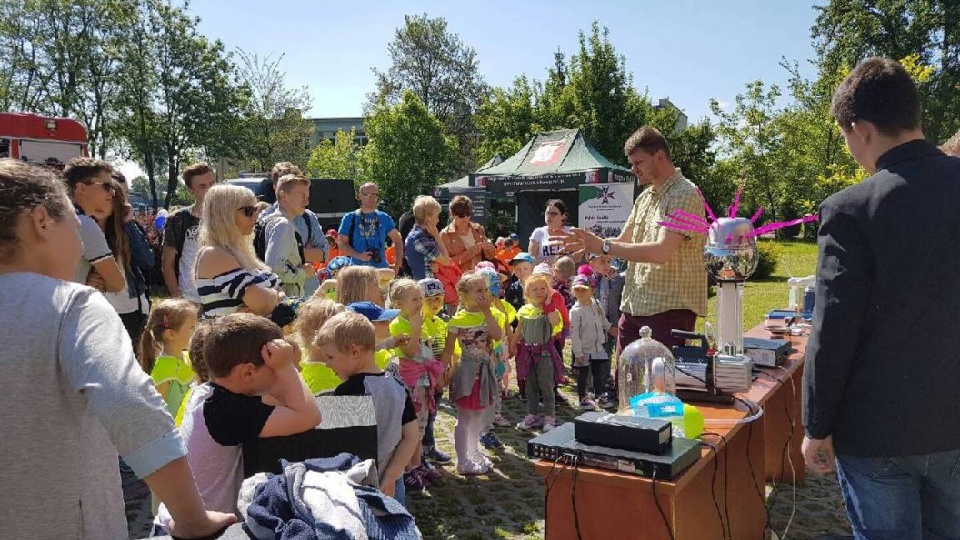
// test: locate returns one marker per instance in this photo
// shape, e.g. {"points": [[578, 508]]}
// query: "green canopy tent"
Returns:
{"points": [[552, 165]]}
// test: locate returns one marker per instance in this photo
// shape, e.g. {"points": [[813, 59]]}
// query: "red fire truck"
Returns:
{"points": [[41, 139]]}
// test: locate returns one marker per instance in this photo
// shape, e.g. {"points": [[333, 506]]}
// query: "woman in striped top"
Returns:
{"points": [[229, 277]]}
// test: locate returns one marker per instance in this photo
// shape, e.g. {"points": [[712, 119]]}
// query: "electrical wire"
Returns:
{"points": [[763, 500], [663, 514], [726, 476], [785, 455], [713, 486], [789, 455], [548, 485], [573, 494]]}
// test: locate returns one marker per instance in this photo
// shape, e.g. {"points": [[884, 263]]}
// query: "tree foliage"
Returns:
{"points": [[274, 128], [340, 158], [408, 153], [442, 71], [179, 100], [847, 31]]}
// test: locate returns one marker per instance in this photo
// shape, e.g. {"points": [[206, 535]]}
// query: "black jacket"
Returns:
{"points": [[882, 372]]}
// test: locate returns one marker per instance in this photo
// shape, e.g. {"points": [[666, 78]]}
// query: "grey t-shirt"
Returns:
{"points": [[95, 248], [73, 396]]}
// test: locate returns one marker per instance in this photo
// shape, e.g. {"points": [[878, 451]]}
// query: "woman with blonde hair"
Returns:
{"points": [[228, 275]]}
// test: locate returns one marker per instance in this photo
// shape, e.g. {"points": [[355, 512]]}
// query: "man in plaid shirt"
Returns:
{"points": [[666, 282]]}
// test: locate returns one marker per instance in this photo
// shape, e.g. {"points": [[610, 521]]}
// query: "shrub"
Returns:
{"points": [[770, 254]]}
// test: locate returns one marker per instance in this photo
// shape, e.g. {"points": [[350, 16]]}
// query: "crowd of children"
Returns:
{"points": [[368, 333]]}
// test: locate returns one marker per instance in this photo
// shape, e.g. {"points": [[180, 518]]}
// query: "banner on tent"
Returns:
{"points": [[604, 208]]}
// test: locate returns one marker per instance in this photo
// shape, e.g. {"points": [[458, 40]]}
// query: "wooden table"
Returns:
{"points": [[607, 504]]}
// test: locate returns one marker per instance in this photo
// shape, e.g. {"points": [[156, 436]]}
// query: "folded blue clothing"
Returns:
{"points": [[280, 510]]}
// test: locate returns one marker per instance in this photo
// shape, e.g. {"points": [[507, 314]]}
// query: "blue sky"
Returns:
{"points": [[687, 50]]}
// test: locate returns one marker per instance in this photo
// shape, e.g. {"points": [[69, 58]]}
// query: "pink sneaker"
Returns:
{"points": [[501, 420], [529, 421], [549, 422]]}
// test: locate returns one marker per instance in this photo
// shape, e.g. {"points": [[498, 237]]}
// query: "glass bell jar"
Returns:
{"points": [[646, 366]]}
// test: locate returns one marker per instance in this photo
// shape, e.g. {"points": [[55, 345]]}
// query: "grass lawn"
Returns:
{"points": [[798, 259]]}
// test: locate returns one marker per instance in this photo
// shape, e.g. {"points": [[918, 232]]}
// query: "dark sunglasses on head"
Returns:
{"points": [[248, 211]]}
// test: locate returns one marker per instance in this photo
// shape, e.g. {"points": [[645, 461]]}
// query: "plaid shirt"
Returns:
{"points": [[425, 246], [681, 282]]}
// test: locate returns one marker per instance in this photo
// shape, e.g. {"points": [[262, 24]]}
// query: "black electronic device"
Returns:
{"points": [[651, 435], [561, 442], [695, 377]]}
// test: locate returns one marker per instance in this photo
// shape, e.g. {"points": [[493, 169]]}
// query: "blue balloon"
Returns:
{"points": [[160, 220]]}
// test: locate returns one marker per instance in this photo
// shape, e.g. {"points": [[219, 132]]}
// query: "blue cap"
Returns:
{"points": [[513, 236], [523, 256], [373, 312]]}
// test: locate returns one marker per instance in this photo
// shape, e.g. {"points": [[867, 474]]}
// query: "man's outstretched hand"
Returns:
{"points": [[578, 242]]}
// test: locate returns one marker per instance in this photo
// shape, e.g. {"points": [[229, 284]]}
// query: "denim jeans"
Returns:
{"points": [[902, 497], [400, 492]]}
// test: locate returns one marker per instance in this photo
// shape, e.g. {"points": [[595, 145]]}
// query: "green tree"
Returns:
{"points": [[507, 120], [60, 58], [441, 70], [753, 141], [592, 92], [408, 153], [600, 95], [274, 129], [340, 158], [178, 97], [847, 31]]}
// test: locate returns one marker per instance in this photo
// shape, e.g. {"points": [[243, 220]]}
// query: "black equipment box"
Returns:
{"points": [[560, 443], [648, 435]]}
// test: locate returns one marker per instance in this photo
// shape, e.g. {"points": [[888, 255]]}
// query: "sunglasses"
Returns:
{"points": [[248, 211], [107, 186]]}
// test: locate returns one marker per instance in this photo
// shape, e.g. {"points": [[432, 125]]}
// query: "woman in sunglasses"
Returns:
{"points": [[228, 275]]}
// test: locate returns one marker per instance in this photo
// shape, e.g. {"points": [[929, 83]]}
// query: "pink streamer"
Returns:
{"points": [[689, 216], [706, 206], [756, 215], [736, 200], [781, 224]]}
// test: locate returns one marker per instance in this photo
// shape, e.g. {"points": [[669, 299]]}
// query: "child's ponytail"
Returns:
{"points": [[167, 314]]}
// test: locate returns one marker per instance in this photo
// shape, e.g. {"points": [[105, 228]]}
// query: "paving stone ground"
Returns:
{"points": [[508, 502]]}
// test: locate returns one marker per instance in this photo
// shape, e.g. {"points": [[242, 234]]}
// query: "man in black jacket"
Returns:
{"points": [[882, 379]]}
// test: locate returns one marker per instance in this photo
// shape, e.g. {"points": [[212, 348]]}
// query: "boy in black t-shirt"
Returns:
{"points": [[346, 343], [256, 388]]}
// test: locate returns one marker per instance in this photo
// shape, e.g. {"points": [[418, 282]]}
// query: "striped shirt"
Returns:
{"points": [[223, 294], [679, 283]]}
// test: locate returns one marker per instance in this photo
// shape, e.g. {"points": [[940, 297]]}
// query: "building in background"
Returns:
{"points": [[665, 103], [326, 128]]}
